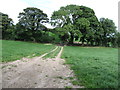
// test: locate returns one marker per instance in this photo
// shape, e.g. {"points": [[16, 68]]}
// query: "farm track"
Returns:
{"points": [[37, 73]]}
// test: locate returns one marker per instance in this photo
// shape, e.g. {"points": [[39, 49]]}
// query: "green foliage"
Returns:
{"points": [[95, 67], [46, 37], [49, 37], [30, 27], [84, 27], [71, 22], [7, 26], [13, 50], [64, 18], [118, 39], [75, 21], [30, 22], [109, 31]]}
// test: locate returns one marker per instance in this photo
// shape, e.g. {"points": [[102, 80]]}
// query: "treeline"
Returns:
{"points": [[71, 23]]}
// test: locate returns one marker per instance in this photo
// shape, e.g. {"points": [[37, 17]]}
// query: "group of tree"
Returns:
{"points": [[71, 23]]}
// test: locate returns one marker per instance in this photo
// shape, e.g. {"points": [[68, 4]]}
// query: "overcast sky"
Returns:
{"points": [[102, 8]]}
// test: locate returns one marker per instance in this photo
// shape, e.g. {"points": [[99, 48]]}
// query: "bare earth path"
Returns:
{"points": [[37, 73]]}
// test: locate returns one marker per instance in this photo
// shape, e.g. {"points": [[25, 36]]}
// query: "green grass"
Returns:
{"points": [[93, 67], [14, 50], [74, 82], [0, 50], [53, 54], [68, 87]]}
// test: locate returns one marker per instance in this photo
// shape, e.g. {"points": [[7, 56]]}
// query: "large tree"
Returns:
{"points": [[82, 18], [6, 25], [109, 31], [84, 27], [89, 25], [31, 22], [118, 39], [65, 18]]}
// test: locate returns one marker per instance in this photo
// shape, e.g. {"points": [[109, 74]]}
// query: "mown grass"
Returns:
{"points": [[14, 50], [53, 54], [94, 67]]}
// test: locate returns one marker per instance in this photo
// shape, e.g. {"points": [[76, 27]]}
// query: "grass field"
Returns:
{"points": [[14, 50], [94, 67]]}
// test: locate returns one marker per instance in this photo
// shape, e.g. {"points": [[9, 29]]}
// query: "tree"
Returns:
{"points": [[109, 31], [7, 26], [31, 22], [83, 25], [82, 18], [90, 26], [64, 18], [118, 39]]}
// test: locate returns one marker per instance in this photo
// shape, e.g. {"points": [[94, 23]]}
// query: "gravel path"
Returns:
{"points": [[37, 73]]}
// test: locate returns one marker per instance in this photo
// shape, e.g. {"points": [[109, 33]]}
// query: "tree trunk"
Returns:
{"points": [[82, 43], [91, 42], [87, 42], [71, 39]]}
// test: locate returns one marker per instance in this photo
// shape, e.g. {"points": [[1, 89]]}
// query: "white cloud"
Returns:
{"points": [[102, 8], [12, 8]]}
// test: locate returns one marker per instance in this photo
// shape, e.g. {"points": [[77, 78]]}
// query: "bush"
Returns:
{"points": [[49, 37]]}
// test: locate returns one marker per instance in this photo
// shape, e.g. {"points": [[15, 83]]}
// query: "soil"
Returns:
{"points": [[38, 73]]}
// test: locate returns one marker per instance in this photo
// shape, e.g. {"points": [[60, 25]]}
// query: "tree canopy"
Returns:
{"points": [[30, 21], [72, 23], [6, 25], [82, 18]]}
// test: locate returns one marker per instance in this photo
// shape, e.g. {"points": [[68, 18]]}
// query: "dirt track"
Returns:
{"points": [[37, 73]]}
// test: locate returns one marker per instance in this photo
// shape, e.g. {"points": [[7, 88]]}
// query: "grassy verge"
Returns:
{"points": [[14, 50], [94, 67], [53, 54]]}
